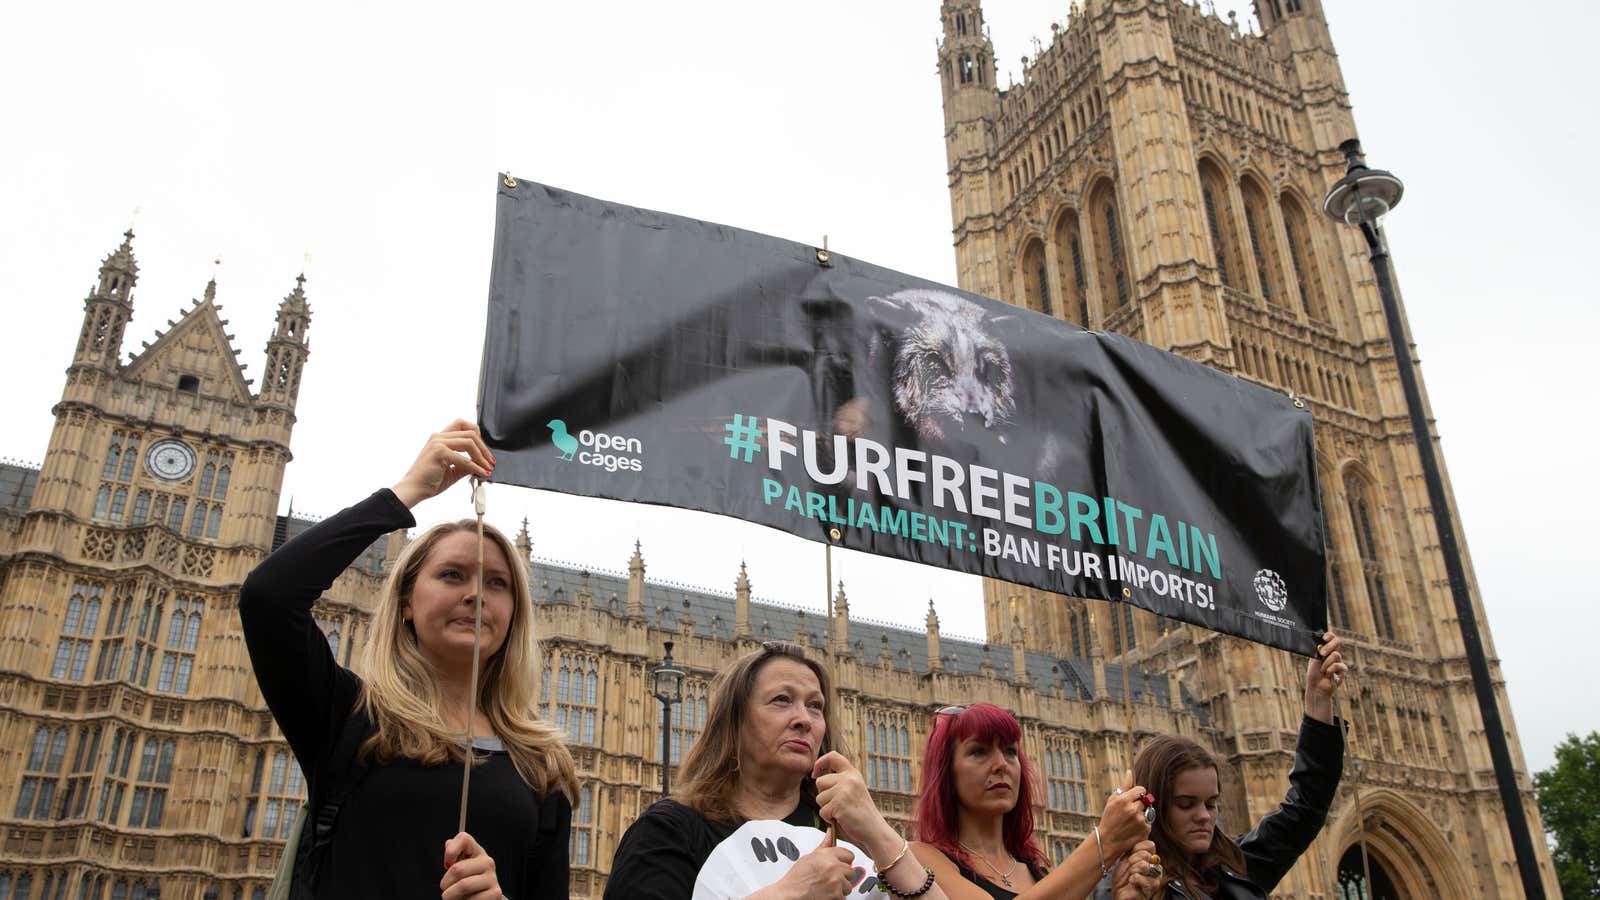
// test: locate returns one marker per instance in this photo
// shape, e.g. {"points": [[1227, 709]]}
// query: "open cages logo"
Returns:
{"points": [[611, 452], [1271, 590]]}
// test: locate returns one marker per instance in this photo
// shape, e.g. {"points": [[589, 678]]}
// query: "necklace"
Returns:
{"points": [[1005, 877]]}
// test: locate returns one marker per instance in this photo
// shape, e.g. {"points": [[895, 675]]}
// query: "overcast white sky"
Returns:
{"points": [[369, 135]]}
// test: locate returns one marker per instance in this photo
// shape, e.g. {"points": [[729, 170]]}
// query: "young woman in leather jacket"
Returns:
{"points": [[1195, 858]]}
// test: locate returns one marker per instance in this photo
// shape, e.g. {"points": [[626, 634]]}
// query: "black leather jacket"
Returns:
{"points": [[1273, 846]]}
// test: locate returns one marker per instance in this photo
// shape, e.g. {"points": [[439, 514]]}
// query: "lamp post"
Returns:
{"points": [[1360, 199], [668, 682]]}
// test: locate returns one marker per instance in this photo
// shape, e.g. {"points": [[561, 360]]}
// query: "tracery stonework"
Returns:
{"points": [[138, 756]]}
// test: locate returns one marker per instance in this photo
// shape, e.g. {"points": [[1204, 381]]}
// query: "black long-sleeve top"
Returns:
{"points": [[390, 835], [1276, 843]]}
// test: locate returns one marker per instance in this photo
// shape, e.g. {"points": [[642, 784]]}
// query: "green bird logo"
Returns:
{"points": [[565, 443]]}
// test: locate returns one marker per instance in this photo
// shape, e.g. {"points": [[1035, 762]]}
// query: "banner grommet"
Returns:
{"points": [[822, 257], [834, 534], [509, 181], [1127, 593]]}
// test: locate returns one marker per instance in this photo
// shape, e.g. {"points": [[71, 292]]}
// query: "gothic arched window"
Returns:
{"points": [[129, 454], [1364, 521], [113, 456], [1069, 251], [1035, 278], [1218, 203], [1352, 872], [1303, 257], [1263, 241], [1108, 244]]}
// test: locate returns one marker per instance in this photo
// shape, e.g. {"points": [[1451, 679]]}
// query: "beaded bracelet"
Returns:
{"points": [[927, 885]]}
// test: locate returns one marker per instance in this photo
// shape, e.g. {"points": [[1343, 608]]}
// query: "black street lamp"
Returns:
{"points": [[1360, 199], [668, 682]]}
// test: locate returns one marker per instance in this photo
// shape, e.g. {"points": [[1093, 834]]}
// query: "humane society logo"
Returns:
{"points": [[612, 452], [1271, 590], [1274, 595]]}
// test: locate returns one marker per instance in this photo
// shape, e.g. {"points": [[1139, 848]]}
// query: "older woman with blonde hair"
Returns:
{"points": [[383, 751], [770, 753]]}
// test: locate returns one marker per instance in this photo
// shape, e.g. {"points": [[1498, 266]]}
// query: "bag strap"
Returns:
{"points": [[338, 780]]}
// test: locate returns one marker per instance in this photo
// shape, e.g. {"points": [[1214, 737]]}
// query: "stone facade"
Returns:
{"points": [[1158, 173]]}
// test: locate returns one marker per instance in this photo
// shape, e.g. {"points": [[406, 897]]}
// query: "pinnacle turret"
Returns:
{"points": [[108, 308], [288, 348]]}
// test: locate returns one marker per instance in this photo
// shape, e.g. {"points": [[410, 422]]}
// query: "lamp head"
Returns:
{"points": [[668, 679], [1363, 195]]}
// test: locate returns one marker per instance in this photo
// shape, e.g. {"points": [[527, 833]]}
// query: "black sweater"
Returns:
{"points": [[390, 836]]}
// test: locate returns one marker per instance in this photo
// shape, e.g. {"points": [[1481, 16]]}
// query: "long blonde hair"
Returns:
{"points": [[401, 695], [709, 776]]}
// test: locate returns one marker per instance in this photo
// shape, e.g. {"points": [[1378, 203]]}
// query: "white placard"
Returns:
{"points": [[763, 851]]}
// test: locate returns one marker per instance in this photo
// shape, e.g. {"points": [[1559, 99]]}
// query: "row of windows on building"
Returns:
{"points": [[57, 884], [124, 655], [1263, 224], [54, 884], [111, 502], [274, 798], [1027, 162], [1124, 635], [135, 795], [170, 633], [1103, 254], [204, 521], [1302, 377], [1396, 724], [1199, 90], [129, 795]]}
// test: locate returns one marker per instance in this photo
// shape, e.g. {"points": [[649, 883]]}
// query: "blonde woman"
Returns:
{"points": [[382, 751]]}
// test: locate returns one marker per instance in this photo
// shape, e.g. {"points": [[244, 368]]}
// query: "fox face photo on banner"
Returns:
{"points": [[640, 356]]}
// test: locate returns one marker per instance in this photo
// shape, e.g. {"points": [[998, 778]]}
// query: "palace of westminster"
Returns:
{"points": [[1157, 173]]}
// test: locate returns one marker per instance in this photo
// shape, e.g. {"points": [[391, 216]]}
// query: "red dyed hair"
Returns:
{"points": [[937, 819]]}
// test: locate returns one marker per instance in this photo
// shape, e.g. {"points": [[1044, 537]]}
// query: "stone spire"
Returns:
{"points": [[935, 660], [841, 621], [1097, 655], [287, 349], [1019, 652], [108, 309], [525, 546], [741, 605], [636, 583]]}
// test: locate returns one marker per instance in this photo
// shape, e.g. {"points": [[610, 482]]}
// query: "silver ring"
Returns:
{"points": [[1149, 815], [1118, 791], [1153, 870]]}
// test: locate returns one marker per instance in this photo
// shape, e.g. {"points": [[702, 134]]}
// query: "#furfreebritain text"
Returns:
{"points": [[987, 493]]}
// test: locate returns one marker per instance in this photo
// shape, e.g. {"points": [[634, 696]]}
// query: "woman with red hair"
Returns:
{"points": [[974, 818]]}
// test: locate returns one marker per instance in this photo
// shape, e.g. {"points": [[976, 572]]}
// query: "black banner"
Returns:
{"points": [[641, 356]]}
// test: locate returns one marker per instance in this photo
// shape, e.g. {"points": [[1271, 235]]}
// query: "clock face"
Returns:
{"points": [[171, 460]]}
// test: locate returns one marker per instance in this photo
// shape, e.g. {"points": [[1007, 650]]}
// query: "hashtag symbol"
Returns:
{"points": [[742, 434]]}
